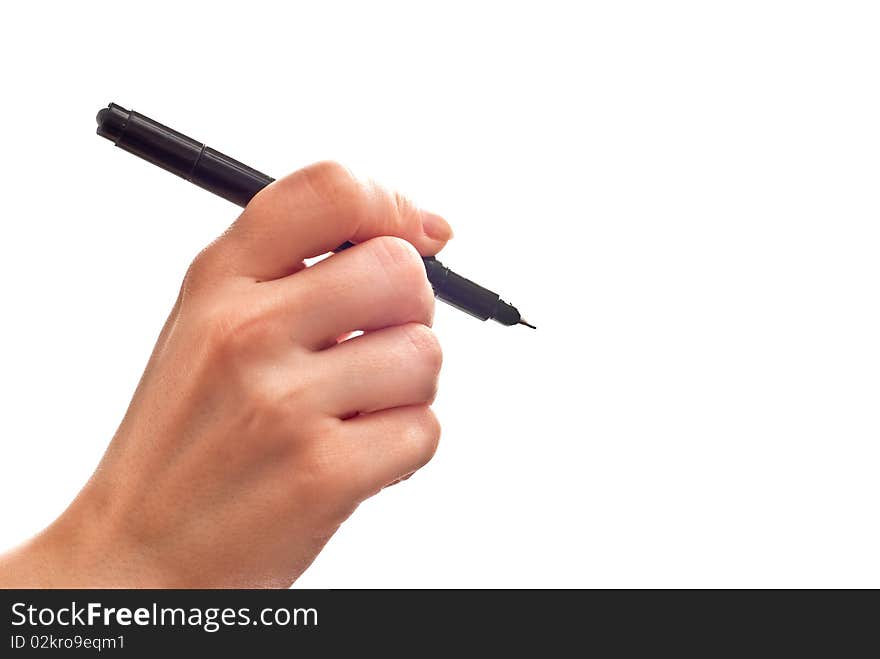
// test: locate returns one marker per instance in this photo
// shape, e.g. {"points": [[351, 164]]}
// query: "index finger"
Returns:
{"points": [[314, 210]]}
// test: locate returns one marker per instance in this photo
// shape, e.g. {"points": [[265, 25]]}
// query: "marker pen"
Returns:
{"points": [[238, 183]]}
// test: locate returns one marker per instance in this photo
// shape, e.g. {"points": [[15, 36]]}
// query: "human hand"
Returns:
{"points": [[255, 432]]}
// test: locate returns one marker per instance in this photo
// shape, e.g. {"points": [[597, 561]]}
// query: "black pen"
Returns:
{"points": [[238, 183]]}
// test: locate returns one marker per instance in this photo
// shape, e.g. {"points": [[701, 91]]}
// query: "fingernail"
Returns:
{"points": [[436, 227]]}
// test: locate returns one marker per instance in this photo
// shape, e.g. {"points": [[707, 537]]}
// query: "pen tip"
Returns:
{"points": [[523, 321]]}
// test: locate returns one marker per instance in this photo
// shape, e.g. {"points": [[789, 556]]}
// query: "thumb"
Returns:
{"points": [[313, 211]]}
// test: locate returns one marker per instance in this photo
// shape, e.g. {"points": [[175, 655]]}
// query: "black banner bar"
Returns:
{"points": [[551, 623]]}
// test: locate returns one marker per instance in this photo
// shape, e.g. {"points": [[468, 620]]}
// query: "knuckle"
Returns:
{"points": [[214, 325], [423, 436], [402, 263], [295, 399], [265, 401], [198, 272], [391, 269], [322, 466], [330, 181], [397, 254], [323, 184], [321, 470], [251, 329], [278, 410], [425, 345], [233, 332], [403, 205]]}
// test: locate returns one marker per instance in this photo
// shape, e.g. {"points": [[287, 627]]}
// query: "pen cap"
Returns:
{"points": [[180, 155], [150, 140]]}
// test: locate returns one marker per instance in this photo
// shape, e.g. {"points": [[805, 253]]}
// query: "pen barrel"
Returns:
{"points": [[181, 155], [227, 178], [459, 291]]}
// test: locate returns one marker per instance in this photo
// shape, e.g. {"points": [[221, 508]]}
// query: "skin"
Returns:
{"points": [[255, 430]]}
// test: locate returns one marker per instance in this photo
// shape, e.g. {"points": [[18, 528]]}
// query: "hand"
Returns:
{"points": [[255, 430]]}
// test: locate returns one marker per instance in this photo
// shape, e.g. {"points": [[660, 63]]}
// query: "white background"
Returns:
{"points": [[683, 196]]}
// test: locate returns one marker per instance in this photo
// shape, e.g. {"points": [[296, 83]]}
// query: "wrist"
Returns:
{"points": [[83, 548]]}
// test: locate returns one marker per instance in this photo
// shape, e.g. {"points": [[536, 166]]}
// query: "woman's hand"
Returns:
{"points": [[255, 432]]}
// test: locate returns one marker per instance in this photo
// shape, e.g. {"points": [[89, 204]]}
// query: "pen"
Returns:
{"points": [[238, 183]]}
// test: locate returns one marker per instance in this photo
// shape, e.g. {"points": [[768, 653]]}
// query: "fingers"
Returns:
{"points": [[376, 284], [393, 367], [314, 210], [383, 447]]}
